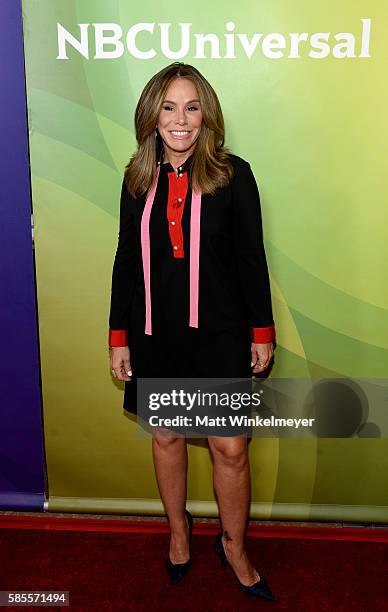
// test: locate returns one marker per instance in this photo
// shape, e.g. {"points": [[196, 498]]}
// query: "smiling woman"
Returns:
{"points": [[183, 102], [180, 119], [190, 291]]}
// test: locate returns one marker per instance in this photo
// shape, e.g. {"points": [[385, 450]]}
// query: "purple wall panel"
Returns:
{"points": [[22, 481]]}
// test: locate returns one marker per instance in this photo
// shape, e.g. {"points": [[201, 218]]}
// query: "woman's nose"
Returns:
{"points": [[181, 117]]}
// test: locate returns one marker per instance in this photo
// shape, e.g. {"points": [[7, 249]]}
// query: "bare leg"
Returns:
{"points": [[170, 461], [232, 486]]}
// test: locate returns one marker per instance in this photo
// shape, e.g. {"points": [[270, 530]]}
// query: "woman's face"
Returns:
{"points": [[180, 118]]}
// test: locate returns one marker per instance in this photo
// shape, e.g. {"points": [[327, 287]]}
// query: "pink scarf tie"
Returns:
{"points": [[195, 225]]}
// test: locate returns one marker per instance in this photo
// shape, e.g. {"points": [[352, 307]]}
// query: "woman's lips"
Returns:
{"points": [[180, 134]]}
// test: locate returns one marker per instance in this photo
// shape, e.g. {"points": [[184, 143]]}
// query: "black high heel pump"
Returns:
{"points": [[258, 589], [177, 571]]}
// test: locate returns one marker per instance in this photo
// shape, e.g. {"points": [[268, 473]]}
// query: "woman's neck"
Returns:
{"points": [[175, 160]]}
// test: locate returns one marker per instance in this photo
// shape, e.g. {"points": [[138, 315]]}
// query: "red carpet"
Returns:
{"points": [[123, 570]]}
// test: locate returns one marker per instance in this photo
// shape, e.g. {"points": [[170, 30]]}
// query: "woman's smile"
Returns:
{"points": [[180, 134]]}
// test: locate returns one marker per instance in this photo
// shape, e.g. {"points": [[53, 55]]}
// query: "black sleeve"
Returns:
{"points": [[125, 265], [249, 247]]}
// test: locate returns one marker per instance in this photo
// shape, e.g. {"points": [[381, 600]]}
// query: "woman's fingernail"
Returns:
{"points": [[129, 373], [251, 363]]}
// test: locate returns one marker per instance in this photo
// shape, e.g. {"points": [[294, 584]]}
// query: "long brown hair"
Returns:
{"points": [[210, 167]]}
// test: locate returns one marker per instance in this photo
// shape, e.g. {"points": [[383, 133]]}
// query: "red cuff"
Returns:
{"points": [[261, 335], [118, 337]]}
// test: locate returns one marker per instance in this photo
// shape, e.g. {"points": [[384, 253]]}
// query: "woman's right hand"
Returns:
{"points": [[120, 363]]}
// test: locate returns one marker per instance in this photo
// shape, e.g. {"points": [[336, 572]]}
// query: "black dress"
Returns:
{"points": [[234, 290]]}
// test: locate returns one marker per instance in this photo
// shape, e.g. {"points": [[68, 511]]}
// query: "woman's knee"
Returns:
{"points": [[232, 452], [165, 439]]}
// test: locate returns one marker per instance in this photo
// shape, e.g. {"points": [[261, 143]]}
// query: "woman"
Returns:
{"points": [[190, 291]]}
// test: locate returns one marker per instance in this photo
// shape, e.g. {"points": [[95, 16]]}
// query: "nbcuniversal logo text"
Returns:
{"points": [[143, 41]]}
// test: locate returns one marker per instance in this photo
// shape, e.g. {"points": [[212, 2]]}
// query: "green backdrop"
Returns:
{"points": [[313, 130]]}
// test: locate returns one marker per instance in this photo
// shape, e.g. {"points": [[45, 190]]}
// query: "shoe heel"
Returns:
{"points": [[219, 549], [177, 571], [259, 589], [190, 525]]}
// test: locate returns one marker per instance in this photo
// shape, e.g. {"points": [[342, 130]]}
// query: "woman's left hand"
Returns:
{"points": [[261, 356]]}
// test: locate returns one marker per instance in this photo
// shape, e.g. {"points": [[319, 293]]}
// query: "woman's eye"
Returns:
{"points": [[167, 107]]}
